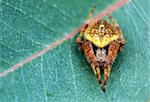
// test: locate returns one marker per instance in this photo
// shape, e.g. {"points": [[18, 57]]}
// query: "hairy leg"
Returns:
{"points": [[89, 53], [113, 50], [121, 37], [78, 39], [112, 54]]}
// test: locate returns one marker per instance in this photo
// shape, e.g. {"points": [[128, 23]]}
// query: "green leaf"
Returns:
{"points": [[63, 74]]}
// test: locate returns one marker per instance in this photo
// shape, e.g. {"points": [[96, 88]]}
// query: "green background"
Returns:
{"points": [[62, 74]]}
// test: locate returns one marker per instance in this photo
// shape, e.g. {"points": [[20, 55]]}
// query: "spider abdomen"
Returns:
{"points": [[101, 55]]}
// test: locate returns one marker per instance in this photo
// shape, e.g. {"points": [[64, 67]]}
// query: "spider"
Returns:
{"points": [[100, 43]]}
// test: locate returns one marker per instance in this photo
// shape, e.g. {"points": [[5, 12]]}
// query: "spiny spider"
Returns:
{"points": [[101, 42]]}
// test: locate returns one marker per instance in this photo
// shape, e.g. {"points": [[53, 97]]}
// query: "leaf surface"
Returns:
{"points": [[62, 74]]}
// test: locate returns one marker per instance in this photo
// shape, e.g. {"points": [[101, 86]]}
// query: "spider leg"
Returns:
{"points": [[78, 39], [121, 40], [112, 54], [106, 75], [115, 24], [90, 13], [99, 76], [89, 53], [121, 37]]}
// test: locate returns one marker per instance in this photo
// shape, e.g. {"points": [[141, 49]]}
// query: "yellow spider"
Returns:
{"points": [[101, 42]]}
